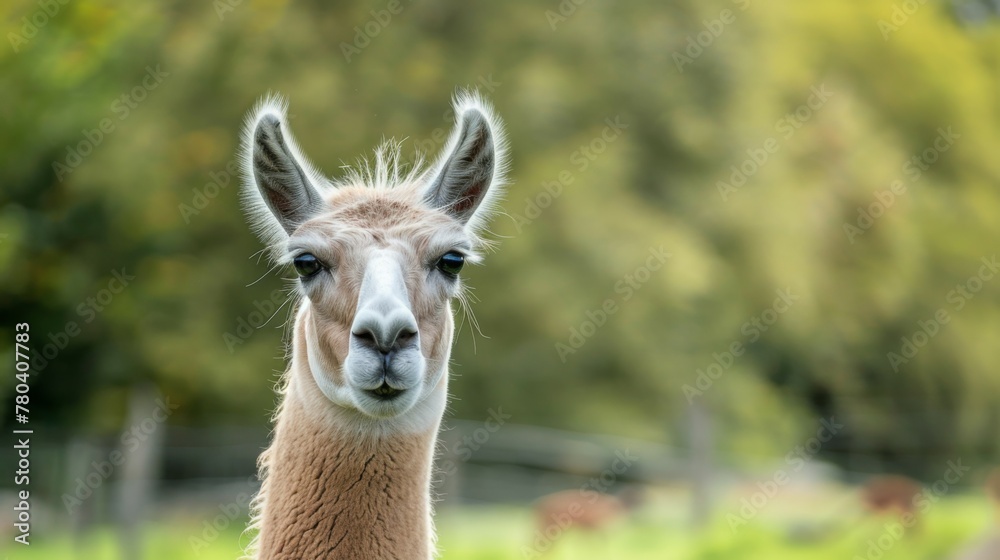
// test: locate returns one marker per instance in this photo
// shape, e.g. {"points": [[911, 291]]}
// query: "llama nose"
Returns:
{"points": [[385, 332]]}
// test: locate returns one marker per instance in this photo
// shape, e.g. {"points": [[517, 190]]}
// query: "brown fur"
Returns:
{"points": [[333, 498], [588, 511], [891, 494]]}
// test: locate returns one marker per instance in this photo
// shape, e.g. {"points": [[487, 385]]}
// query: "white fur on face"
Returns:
{"points": [[384, 308], [322, 374], [429, 398], [380, 288], [378, 230]]}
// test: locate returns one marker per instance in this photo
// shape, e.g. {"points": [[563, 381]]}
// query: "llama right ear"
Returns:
{"points": [[469, 174], [282, 179]]}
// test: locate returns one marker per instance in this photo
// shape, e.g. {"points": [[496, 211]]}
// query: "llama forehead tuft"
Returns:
{"points": [[382, 215], [365, 207], [386, 170]]}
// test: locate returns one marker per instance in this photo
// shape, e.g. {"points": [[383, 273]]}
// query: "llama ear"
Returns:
{"points": [[469, 166], [280, 176]]}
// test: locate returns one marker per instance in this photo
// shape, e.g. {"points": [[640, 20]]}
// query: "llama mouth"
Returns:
{"points": [[385, 392]]}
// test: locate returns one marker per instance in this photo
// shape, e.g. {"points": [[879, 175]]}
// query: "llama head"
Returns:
{"points": [[378, 255]]}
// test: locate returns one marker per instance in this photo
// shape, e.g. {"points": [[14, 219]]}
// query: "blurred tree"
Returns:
{"points": [[758, 145]]}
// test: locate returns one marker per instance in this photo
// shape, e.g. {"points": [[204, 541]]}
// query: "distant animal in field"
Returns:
{"points": [[585, 510], [891, 494]]}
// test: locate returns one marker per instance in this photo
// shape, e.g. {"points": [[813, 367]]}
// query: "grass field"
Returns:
{"points": [[502, 534]]}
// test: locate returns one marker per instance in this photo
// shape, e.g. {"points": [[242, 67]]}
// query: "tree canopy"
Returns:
{"points": [[787, 210]]}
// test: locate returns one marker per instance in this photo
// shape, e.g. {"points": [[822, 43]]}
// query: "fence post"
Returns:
{"points": [[700, 444], [140, 469]]}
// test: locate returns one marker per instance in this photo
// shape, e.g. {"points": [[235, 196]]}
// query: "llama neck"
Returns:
{"points": [[330, 494]]}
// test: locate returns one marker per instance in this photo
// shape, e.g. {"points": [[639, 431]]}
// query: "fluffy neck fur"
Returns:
{"points": [[336, 489]]}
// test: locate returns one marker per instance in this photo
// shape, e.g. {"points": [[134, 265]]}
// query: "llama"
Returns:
{"points": [[378, 256]]}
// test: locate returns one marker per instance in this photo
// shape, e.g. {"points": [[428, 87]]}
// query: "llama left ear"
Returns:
{"points": [[470, 167]]}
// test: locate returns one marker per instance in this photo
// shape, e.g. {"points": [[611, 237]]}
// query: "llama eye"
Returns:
{"points": [[451, 263], [307, 265]]}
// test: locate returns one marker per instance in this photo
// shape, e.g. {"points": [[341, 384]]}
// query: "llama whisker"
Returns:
{"points": [[269, 271], [464, 298], [259, 254], [287, 299]]}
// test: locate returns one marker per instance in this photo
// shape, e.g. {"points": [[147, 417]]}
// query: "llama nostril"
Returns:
{"points": [[405, 337], [383, 331], [366, 338]]}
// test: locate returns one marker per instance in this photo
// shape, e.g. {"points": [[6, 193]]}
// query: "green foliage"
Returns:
{"points": [[142, 200]]}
